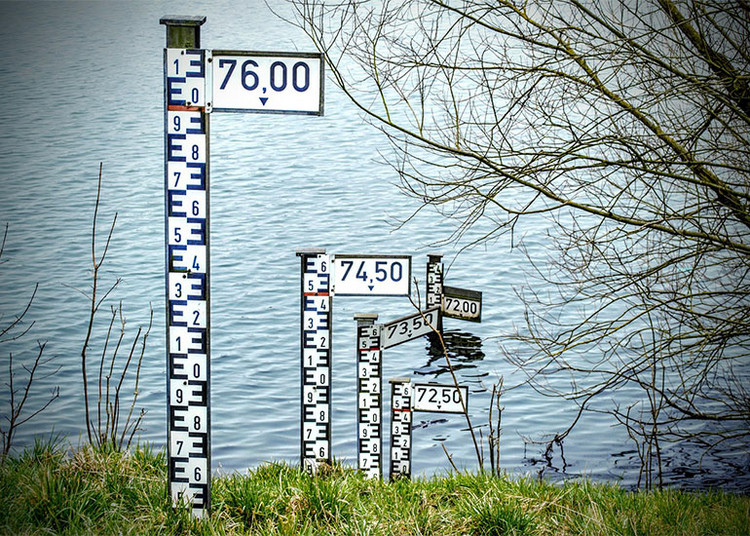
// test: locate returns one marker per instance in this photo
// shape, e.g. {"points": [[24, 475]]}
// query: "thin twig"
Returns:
{"points": [[450, 458], [416, 305], [137, 381], [101, 371], [18, 320], [15, 418]]}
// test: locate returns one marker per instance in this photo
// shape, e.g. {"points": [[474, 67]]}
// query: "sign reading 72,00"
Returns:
{"points": [[267, 82], [372, 275]]}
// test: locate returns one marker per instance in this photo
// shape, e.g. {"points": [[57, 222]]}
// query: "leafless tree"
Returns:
{"points": [[18, 396], [627, 126], [112, 428]]}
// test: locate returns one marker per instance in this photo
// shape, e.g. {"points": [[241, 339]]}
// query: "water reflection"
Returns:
{"points": [[549, 463], [685, 466], [464, 351]]}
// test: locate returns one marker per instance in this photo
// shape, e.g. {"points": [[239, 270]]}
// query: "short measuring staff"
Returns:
{"points": [[315, 335], [408, 397], [434, 275], [401, 418], [454, 302], [369, 403]]}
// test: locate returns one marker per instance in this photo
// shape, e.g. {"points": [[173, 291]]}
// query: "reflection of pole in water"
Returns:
{"points": [[463, 348]]}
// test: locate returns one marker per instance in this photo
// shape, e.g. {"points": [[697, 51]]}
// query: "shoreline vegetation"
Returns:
{"points": [[50, 490]]}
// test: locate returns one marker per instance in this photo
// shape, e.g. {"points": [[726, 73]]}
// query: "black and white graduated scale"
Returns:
{"points": [[197, 82], [369, 403], [434, 296], [323, 276], [316, 359], [408, 397], [187, 231], [401, 418]]}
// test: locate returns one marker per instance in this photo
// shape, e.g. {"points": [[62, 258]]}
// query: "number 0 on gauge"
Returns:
{"points": [[372, 275]]}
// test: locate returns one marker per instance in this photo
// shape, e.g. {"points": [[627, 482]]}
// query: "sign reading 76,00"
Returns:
{"points": [[266, 82], [372, 275]]}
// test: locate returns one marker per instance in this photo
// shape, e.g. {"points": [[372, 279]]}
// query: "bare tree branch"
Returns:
{"points": [[626, 128]]}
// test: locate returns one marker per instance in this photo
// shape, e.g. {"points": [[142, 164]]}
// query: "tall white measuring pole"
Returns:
{"points": [[198, 82], [187, 277]]}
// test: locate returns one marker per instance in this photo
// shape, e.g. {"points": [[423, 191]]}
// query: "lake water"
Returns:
{"points": [[82, 84]]}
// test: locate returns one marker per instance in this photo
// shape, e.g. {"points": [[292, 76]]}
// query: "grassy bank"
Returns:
{"points": [[48, 491]]}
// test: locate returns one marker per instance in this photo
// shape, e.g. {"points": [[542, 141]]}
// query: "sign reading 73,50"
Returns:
{"points": [[372, 275], [266, 82]]}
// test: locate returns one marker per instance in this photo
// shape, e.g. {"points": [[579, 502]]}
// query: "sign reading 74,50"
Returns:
{"points": [[266, 82], [372, 275]]}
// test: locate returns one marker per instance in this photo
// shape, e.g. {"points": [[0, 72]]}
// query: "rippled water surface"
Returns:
{"points": [[82, 84]]}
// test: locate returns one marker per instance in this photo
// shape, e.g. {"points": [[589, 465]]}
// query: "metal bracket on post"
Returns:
{"points": [[401, 417], [369, 399], [315, 334]]}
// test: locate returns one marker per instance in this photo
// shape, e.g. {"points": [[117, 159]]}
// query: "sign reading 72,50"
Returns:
{"points": [[266, 82], [372, 275], [440, 398]]}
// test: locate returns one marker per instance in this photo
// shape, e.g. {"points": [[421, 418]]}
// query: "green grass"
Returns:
{"points": [[48, 491]]}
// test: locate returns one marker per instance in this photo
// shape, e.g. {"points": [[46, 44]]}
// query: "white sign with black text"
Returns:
{"points": [[409, 328], [266, 82], [372, 275], [440, 398], [462, 303]]}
